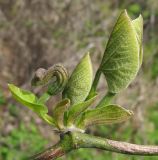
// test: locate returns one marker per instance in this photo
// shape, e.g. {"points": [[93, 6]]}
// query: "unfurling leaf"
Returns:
{"points": [[80, 82], [123, 53], [105, 115], [77, 109], [58, 112], [30, 100]]}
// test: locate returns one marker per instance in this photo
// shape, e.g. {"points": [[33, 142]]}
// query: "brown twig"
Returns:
{"points": [[50, 153]]}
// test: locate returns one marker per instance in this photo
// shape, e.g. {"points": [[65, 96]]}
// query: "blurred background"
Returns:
{"points": [[38, 33]]}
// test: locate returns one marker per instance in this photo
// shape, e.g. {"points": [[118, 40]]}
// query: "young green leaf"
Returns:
{"points": [[120, 62], [77, 109], [59, 110], [80, 82], [29, 100], [105, 115]]}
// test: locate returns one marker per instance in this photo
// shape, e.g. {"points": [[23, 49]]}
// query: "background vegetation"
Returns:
{"points": [[36, 33]]}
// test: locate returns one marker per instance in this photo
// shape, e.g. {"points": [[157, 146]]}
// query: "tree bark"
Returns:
{"points": [[50, 153]]}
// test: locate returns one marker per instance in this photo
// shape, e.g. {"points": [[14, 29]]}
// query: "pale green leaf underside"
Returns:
{"points": [[59, 110], [120, 62], [80, 82], [77, 109], [138, 25], [105, 115]]}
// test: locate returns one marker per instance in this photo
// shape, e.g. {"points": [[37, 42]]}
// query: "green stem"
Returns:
{"points": [[106, 99], [76, 140], [87, 141], [94, 85]]}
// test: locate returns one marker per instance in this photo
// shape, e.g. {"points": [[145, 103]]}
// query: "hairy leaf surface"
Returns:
{"points": [[105, 115], [80, 81], [120, 62]]}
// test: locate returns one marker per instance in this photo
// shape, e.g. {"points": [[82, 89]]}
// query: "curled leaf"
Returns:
{"points": [[77, 109], [123, 54], [80, 82], [55, 77], [105, 115]]}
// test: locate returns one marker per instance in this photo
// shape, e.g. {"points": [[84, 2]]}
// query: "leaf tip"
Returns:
{"points": [[10, 86], [87, 55], [124, 11], [140, 16], [131, 113], [67, 101]]}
